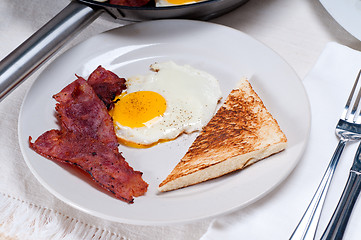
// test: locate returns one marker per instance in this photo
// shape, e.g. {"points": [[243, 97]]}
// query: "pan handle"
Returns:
{"points": [[31, 54]]}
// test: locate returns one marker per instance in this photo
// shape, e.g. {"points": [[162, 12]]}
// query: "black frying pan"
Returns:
{"points": [[30, 55]]}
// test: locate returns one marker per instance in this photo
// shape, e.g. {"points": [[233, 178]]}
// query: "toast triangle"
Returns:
{"points": [[241, 133]]}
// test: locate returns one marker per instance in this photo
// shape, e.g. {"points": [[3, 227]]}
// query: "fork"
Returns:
{"points": [[348, 129]]}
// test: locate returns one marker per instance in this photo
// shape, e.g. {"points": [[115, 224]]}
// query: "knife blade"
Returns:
{"points": [[338, 222]]}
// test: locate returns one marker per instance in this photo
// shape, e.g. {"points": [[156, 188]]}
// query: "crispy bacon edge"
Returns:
{"points": [[107, 85]]}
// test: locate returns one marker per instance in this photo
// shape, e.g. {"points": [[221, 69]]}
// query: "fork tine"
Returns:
{"points": [[356, 103], [357, 118], [345, 131], [355, 107], [349, 100]]}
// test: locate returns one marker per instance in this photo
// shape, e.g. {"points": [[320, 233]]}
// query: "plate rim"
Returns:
{"points": [[333, 8], [146, 222]]}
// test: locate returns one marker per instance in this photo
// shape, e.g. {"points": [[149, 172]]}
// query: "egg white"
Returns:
{"points": [[191, 96]]}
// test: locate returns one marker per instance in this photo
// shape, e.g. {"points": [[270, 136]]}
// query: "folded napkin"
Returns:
{"points": [[275, 216]]}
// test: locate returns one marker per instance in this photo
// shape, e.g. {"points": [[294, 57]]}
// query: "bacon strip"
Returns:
{"points": [[87, 140], [80, 111], [129, 3], [106, 85]]}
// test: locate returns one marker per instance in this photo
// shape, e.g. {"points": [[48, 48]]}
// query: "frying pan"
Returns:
{"points": [[30, 55]]}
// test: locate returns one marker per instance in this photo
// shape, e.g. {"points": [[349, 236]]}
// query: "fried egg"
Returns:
{"points": [[166, 3], [170, 100]]}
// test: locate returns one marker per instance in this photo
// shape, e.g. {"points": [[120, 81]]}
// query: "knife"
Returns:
{"points": [[338, 222]]}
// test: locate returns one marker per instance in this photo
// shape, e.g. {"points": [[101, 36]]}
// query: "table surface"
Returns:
{"points": [[297, 30]]}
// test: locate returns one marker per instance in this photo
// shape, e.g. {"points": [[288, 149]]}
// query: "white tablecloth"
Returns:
{"points": [[298, 30]]}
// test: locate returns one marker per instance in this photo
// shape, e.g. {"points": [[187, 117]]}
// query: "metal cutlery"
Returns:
{"points": [[348, 129], [337, 225]]}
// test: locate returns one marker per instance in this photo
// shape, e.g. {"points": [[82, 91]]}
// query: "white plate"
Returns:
{"points": [[346, 13], [224, 52]]}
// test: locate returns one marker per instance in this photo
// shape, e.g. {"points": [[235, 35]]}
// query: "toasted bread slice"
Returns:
{"points": [[241, 133]]}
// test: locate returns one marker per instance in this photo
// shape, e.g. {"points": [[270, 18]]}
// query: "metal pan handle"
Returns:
{"points": [[31, 54]]}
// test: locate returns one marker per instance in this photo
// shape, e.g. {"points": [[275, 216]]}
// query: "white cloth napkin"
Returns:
{"points": [[275, 217]]}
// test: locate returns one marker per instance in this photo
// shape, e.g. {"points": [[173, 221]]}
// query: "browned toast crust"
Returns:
{"points": [[241, 126]]}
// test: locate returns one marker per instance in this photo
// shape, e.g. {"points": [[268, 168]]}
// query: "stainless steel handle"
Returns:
{"points": [[306, 228], [337, 225], [31, 54]]}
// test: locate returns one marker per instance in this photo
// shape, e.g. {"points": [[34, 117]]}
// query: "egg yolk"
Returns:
{"points": [[136, 109], [180, 2]]}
